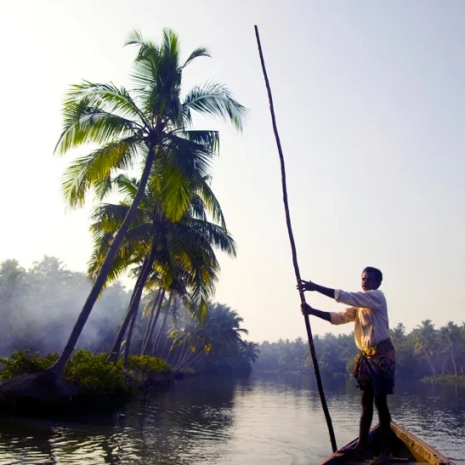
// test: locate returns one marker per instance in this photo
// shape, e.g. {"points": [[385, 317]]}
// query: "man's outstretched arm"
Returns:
{"points": [[307, 310], [311, 286], [336, 318]]}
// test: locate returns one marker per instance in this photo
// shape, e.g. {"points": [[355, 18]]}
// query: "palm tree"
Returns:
{"points": [[250, 351], [135, 126], [425, 343], [451, 337], [178, 255], [219, 337], [398, 333]]}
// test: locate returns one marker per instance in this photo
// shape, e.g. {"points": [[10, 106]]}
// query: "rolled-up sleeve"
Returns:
{"points": [[370, 299], [346, 316]]}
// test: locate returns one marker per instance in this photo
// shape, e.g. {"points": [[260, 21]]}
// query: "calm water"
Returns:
{"points": [[265, 420]]}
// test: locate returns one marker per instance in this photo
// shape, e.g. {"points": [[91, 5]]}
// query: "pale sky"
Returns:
{"points": [[370, 103]]}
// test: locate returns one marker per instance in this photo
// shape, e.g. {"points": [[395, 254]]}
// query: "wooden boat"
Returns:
{"points": [[406, 448]]}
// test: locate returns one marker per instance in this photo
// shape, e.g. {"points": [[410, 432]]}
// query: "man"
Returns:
{"points": [[375, 365]]}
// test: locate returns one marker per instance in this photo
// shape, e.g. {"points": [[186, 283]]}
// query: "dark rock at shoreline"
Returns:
{"points": [[48, 395], [36, 394]]}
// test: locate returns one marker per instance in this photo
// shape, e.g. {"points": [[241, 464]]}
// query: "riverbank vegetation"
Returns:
{"points": [[39, 305], [425, 353]]}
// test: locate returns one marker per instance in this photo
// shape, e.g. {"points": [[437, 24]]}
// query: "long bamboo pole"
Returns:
{"points": [[293, 248]]}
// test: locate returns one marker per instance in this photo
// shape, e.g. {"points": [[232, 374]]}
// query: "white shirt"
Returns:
{"points": [[369, 311]]}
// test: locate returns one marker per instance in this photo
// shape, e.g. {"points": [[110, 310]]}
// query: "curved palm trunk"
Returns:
{"points": [[293, 248], [150, 323], [131, 329], [58, 367], [115, 350], [145, 274], [155, 345], [133, 309], [453, 360], [181, 355], [155, 321], [166, 343], [430, 363]]}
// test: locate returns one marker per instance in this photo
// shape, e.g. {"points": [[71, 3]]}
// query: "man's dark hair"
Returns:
{"points": [[375, 273]]}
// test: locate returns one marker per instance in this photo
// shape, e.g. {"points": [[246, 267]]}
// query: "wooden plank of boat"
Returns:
{"points": [[406, 448]]}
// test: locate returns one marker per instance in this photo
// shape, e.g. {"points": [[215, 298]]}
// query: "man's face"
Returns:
{"points": [[369, 283]]}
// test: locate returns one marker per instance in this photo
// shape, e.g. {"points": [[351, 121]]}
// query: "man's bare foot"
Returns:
{"points": [[357, 452], [383, 459]]}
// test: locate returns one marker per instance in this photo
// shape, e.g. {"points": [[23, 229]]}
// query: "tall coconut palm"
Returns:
{"points": [[133, 127]]}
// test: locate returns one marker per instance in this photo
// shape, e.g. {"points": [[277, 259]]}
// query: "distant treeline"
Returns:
{"points": [[424, 352], [39, 306]]}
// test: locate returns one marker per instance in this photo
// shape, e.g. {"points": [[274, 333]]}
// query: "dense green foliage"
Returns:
{"points": [[147, 364], [333, 353], [424, 352], [25, 361], [214, 346], [96, 376]]}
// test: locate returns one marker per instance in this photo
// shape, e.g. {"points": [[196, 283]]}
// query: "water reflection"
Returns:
{"points": [[265, 419]]}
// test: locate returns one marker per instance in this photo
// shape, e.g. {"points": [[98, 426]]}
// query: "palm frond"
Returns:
{"points": [[108, 217], [170, 48], [134, 38], [126, 186], [176, 194], [193, 158], [86, 125], [109, 98], [214, 234], [208, 139], [211, 203], [142, 233], [96, 168], [214, 99], [102, 242], [197, 53]]}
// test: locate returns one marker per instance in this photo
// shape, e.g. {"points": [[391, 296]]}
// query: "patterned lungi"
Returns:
{"points": [[376, 366]]}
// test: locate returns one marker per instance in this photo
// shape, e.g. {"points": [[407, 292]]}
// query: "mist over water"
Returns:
{"points": [[40, 305]]}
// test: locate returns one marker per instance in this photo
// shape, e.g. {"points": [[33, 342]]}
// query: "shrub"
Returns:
{"points": [[25, 361], [96, 376], [147, 364]]}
